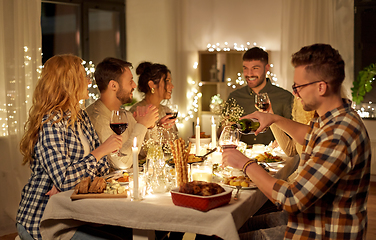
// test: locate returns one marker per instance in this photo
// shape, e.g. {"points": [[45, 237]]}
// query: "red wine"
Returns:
{"points": [[224, 146], [263, 105], [118, 128], [173, 115]]}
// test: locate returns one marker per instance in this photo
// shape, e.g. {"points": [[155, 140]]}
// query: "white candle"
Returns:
{"points": [[198, 137], [213, 133], [135, 168]]}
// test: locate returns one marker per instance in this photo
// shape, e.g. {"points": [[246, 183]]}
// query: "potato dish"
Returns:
{"points": [[238, 181], [268, 158]]}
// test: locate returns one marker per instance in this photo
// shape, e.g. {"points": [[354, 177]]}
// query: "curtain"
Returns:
{"points": [[20, 60], [317, 21]]}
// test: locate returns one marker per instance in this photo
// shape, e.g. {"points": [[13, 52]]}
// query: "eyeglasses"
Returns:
{"points": [[295, 88]]}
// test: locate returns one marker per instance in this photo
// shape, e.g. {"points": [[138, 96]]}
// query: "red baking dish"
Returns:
{"points": [[202, 203]]}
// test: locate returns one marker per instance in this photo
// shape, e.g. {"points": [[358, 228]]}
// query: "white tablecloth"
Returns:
{"points": [[155, 212]]}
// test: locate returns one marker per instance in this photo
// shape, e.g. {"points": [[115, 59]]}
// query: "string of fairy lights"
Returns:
{"points": [[193, 93], [8, 109]]}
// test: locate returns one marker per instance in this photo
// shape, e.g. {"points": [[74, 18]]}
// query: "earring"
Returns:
{"points": [[152, 90]]}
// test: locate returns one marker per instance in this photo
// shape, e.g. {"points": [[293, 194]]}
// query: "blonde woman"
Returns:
{"points": [[60, 144]]}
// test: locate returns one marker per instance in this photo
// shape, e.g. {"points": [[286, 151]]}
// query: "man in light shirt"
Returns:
{"points": [[115, 83]]}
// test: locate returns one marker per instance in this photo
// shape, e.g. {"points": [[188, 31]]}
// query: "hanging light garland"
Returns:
{"points": [[195, 94], [93, 88], [9, 111]]}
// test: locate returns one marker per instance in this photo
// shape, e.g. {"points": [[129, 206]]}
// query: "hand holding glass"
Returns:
{"points": [[118, 124], [262, 101], [173, 111], [229, 138]]}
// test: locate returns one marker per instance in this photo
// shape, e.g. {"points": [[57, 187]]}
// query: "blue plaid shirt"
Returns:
{"points": [[58, 160]]}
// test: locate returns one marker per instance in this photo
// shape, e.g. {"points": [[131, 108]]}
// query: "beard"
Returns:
{"points": [[257, 82], [123, 96], [308, 107]]}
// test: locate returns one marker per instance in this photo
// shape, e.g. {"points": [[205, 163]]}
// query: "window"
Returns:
{"points": [[89, 29], [364, 50]]}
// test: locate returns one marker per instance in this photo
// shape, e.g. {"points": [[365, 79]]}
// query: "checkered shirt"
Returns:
{"points": [[58, 160], [328, 199]]}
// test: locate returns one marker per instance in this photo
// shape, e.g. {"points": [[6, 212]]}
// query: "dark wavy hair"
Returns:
{"points": [[148, 71], [109, 69], [256, 53], [323, 61]]}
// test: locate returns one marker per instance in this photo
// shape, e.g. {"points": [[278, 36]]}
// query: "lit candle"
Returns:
{"points": [[213, 133], [198, 137], [135, 168]]}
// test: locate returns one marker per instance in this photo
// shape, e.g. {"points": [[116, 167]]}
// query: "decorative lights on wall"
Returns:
{"points": [[194, 94], [366, 110], [93, 88], [11, 119], [217, 47]]}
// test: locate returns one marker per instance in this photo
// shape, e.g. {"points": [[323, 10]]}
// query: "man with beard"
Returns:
{"points": [[328, 198], [255, 67], [115, 83]]}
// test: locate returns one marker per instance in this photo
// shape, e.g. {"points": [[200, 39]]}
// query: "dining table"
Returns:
{"points": [[156, 212]]}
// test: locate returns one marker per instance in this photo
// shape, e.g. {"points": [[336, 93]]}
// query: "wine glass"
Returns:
{"points": [[262, 101], [118, 124], [173, 111], [229, 138]]}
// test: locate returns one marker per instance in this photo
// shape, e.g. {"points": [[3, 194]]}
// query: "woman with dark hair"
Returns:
{"points": [[156, 84]]}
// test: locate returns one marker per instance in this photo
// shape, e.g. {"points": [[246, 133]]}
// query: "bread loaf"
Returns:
{"points": [[83, 185], [98, 185]]}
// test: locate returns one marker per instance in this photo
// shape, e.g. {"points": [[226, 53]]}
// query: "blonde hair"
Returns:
{"points": [[58, 92], [299, 114]]}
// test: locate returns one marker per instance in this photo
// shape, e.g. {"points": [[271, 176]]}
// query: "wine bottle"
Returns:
{"points": [[246, 126]]}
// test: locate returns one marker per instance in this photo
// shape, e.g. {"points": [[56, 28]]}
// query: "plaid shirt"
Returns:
{"points": [[328, 199], [58, 160]]}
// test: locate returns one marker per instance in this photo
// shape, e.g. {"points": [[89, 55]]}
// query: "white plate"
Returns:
{"points": [[275, 164], [253, 186], [117, 174]]}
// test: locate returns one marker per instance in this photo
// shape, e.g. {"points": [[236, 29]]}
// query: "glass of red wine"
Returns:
{"points": [[229, 138], [262, 101], [173, 111], [118, 124]]}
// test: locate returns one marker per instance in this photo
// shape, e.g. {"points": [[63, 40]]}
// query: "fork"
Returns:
{"points": [[236, 197]]}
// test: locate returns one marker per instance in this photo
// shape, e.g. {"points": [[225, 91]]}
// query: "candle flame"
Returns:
{"points": [[213, 120], [135, 142], [198, 121]]}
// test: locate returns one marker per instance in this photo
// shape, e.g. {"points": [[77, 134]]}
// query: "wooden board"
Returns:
{"points": [[76, 196]]}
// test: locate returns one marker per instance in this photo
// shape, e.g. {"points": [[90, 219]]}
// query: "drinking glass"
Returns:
{"points": [[201, 172], [229, 138], [118, 124], [262, 101], [174, 110]]}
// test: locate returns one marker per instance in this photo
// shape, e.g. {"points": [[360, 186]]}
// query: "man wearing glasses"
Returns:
{"points": [[328, 198]]}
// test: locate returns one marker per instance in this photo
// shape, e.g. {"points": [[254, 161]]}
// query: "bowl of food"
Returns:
{"points": [[200, 202]]}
